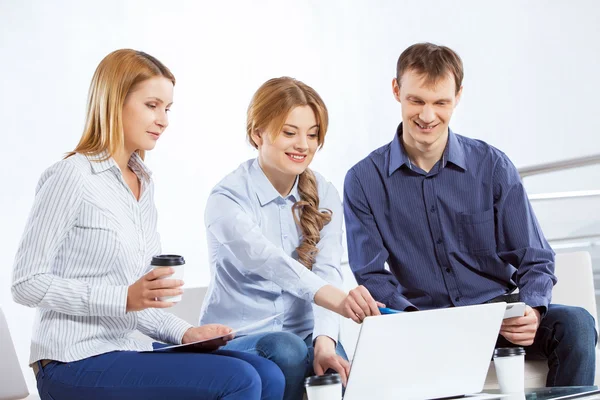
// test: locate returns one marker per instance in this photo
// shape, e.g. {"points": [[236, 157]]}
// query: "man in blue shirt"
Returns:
{"points": [[450, 217]]}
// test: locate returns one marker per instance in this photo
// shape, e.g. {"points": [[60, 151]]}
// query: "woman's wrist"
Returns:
{"points": [[324, 343], [187, 336], [331, 298]]}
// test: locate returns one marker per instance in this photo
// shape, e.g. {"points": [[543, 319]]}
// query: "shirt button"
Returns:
{"points": [[448, 270], [439, 241], [457, 298], [282, 207], [432, 209], [284, 236]]}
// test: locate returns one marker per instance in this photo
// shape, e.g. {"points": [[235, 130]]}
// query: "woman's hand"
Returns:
{"points": [[144, 293], [326, 358], [356, 305], [221, 334]]}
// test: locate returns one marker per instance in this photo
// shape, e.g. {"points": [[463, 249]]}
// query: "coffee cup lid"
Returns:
{"points": [[509, 351], [167, 260], [321, 380]]}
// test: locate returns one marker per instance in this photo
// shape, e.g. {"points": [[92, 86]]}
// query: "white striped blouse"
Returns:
{"points": [[87, 239]]}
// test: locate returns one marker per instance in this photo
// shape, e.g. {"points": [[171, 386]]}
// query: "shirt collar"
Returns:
{"points": [[453, 153], [138, 166], [265, 190], [398, 156], [103, 161], [456, 151]]}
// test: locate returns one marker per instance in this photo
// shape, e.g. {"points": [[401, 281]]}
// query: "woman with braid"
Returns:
{"points": [[274, 232]]}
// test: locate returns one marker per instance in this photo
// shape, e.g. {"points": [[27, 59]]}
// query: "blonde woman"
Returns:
{"points": [[275, 241], [84, 261]]}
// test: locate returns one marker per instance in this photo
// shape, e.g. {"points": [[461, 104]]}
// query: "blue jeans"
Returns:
{"points": [[129, 375], [291, 353], [566, 338]]}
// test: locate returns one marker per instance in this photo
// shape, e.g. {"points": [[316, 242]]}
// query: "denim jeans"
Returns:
{"points": [[566, 338], [129, 375], [291, 353]]}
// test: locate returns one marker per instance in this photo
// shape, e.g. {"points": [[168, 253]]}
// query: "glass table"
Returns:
{"points": [[555, 393]]}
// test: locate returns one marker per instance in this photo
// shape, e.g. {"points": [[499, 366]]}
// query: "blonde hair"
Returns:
{"points": [[116, 76], [267, 111]]}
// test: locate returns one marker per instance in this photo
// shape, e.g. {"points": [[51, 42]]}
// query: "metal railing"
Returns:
{"points": [[559, 165], [567, 242], [564, 195], [571, 241]]}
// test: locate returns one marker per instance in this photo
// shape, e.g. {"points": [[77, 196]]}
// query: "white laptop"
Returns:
{"points": [[425, 354], [12, 383]]}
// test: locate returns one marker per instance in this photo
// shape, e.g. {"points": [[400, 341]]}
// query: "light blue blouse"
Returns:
{"points": [[252, 237]]}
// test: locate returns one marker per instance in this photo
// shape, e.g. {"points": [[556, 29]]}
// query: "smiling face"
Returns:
{"points": [[145, 113], [286, 154], [426, 109]]}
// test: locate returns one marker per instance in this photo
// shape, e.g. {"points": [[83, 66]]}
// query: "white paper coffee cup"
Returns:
{"points": [[324, 387], [510, 369], [170, 261]]}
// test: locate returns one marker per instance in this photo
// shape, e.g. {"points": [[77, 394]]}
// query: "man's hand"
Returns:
{"points": [[205, 332], [326, 358], [522, 330]]}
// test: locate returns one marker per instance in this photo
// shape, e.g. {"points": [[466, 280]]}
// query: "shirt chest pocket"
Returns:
{"points": [[92, 217], [477, 232], [95, 240]]}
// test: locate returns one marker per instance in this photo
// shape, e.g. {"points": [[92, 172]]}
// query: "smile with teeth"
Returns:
{"points": [[425, 127], [296, 157]]}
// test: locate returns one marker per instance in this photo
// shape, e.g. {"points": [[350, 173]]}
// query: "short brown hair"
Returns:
{"points": [[432, 61]]}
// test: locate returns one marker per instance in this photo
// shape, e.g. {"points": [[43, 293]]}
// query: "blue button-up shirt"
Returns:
{"points": [[252, 241], [460, 234]]}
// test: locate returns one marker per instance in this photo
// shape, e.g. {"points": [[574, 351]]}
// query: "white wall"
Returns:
{"points": [[530, 89]]}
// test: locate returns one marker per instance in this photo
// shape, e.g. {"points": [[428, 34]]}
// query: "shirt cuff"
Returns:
{"points": [[108, 301], [326, 323], [400, 303], [173, 329], [538, 301], [313, 284]]}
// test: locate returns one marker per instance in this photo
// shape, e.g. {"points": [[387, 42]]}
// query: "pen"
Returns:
{"points": [[385, 310]]}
